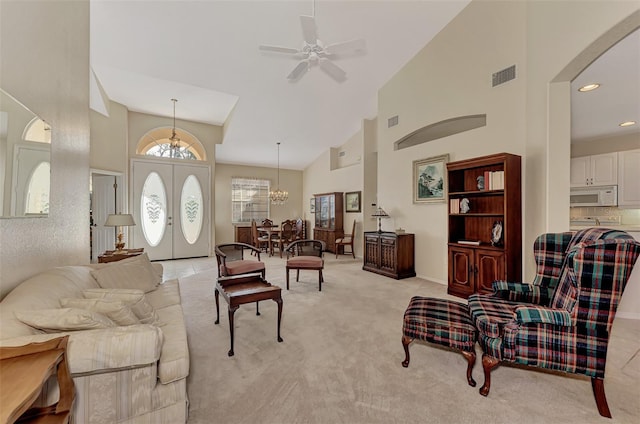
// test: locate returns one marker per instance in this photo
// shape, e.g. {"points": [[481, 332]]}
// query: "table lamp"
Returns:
{"points": [[119, 220], [380, 213]]}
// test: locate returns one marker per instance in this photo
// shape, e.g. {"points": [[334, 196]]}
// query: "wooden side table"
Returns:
{"points": [[241, 289], [26, 369], [112, 256]]}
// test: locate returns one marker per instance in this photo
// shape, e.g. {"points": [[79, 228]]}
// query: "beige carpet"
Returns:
{"points": [[340, 361]]}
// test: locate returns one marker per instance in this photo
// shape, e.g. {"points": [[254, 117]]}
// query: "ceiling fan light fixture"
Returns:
{"points": [[277, 196], [589, 87], [627, 123]]}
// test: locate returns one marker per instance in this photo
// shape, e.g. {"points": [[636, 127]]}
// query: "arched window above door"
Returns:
{"points": [[158, 143]]}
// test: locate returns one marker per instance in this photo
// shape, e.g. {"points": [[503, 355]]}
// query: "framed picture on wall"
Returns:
{"points": [[352, 201], [430, 179], [312, 205]]}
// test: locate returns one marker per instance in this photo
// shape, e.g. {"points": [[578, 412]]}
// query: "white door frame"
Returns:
{"points": [[173, 200], [103, 238]]}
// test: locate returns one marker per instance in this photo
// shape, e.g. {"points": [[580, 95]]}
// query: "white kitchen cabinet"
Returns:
{"points": [[596, 170], [629, 178]]}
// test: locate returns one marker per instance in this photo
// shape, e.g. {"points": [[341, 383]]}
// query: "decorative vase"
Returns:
{"points": [[480, 181]]}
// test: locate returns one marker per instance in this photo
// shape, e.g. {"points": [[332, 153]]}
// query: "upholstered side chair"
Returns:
{"points": [[305, 254], [231, 260], [562, 321]]}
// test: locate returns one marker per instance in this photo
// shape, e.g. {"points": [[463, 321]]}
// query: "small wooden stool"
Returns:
{"points": [[443, 322]]}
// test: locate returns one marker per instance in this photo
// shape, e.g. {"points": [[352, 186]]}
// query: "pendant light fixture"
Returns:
{"points": [[278, 197], [174, 141]]}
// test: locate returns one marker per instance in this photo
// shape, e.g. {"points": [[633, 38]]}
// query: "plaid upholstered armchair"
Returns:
{"points": [[562, 320]]}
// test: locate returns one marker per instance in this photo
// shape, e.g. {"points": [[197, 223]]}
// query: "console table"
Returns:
{"points": [[113, 256], [389, 254], [25, 370]]}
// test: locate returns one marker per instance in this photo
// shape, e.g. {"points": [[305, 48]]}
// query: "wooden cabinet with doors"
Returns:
{"points": [[485, 235], [242, 234], [389, 254], [629, 179], [474, 270], [328, 218], [596, 170]]}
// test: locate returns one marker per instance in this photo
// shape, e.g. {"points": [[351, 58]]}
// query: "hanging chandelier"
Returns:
{"points": [[278, 197], [174, 141]]}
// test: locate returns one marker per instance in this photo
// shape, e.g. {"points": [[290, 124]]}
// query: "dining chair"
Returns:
{"points": [[286, 236], [346, 240], [260, 241]]}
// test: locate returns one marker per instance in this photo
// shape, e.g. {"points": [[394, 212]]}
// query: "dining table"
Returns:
{"points": [[271, 231]]}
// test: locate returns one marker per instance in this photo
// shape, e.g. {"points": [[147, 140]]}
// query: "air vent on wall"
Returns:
{"points": [[505, 75], [392, 122]]}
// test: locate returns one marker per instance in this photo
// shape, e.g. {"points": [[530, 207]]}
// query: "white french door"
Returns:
{"points": [[171, 209]]}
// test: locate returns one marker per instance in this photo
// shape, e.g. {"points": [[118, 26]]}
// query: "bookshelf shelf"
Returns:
{"points": [[474, 267]]}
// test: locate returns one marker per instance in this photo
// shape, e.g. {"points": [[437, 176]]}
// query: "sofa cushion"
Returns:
{"points": [[174, 359], [136, 299], [166, 294], [64, 319], [131, 273], [116, 310]]}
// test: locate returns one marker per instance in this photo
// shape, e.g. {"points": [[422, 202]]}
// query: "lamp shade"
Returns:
{"points": [[119, 220], [380, 213]]}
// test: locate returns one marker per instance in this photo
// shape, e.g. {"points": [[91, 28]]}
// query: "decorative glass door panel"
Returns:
{"points": [[191, 209], [153, 208]]}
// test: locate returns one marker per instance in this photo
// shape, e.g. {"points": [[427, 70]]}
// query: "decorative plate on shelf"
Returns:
{"points": [[496, 234]]}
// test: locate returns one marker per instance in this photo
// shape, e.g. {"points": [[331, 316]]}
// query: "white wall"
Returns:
{"points": [[109, 139], [451, 77], [290, 181], [320, 178], [45, 65]]}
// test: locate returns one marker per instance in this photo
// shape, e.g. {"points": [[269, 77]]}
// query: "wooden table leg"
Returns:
{"points": [[279, 302], [232, 311], [217, 307]]}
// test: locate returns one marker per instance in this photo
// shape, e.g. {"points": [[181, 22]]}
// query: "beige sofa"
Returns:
{"points": [[122, 373]]}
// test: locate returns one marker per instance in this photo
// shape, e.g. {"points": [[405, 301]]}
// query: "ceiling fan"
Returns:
{"points": [[314, 52]]}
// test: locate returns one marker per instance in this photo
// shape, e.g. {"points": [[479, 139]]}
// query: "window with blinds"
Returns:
{"points": [[249, 199]]}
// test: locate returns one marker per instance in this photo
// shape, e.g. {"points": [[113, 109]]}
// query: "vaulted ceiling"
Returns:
{"points": [[205, 54]]}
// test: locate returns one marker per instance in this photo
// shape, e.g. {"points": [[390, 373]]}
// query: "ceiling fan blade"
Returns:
{"points": [[345, 47], [309, 30], [297, 72], [336, 72], [278, 49]]}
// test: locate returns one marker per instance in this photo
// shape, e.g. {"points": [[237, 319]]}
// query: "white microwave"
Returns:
{"points": [[593, 196]]}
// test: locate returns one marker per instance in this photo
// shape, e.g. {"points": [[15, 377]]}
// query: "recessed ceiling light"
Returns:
{"points": [[627, 123], [589, 87]]}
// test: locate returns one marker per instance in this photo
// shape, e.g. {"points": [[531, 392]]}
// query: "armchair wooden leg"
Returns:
{"points": [[287, 278], [406, 341], [488, 363], [258, 308], [597, 384], [471, 361], [320, 280]]}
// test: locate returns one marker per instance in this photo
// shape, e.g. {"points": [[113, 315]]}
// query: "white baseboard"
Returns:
{"points": [[628, 315]]}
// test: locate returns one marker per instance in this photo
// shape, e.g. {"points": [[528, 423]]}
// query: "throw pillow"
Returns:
{"points": [[65, 319], [131, 273], [132, 297], [116, 310]]}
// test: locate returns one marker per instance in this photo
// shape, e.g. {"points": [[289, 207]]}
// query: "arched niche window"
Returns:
{"points": [[157, 143], [37, 130]]}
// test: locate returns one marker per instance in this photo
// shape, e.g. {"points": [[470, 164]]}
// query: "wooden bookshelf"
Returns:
{"points": [[473, 268]]}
